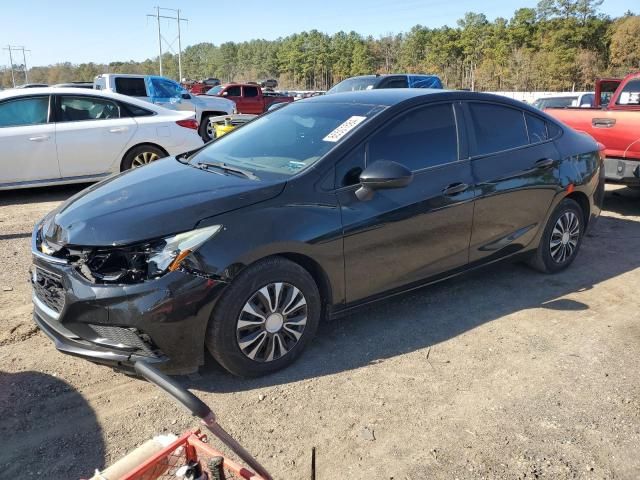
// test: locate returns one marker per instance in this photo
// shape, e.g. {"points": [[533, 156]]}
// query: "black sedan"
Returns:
{"points": [[245, 245]]}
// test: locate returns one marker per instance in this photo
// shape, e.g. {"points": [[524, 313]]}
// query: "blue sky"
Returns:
{"points": [[83, 31]]}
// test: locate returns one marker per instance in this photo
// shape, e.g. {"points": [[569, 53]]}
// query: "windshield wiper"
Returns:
{"points": [[228, 168]]}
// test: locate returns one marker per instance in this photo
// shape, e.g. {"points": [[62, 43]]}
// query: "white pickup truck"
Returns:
{"points": [[167, 93]]}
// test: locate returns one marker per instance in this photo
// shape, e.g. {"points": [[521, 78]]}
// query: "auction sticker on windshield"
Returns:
{"points": [[344, 128]]}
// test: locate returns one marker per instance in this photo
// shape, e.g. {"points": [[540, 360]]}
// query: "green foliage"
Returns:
{"points": [[560, 45]]}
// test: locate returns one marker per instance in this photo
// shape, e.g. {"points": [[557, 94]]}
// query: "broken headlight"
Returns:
{"points": [[177, 248], [138, 263]]}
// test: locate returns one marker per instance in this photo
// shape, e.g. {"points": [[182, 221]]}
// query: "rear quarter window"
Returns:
{"points": [[497, 128], [135, 111], [536, 128]]}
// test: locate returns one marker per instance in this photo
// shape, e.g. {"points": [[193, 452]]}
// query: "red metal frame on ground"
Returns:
{"points": [[190, 446]]}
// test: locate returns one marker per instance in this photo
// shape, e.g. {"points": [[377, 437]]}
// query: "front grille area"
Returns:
{"points": [[125, 336], [48, 289]]}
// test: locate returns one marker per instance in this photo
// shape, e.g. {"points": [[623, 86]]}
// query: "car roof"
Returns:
{"points": [[388, 97]]}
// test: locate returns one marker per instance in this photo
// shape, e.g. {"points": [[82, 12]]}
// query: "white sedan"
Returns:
{"points": [[52, 136]]}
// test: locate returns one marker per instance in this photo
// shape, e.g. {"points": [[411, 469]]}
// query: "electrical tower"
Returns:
{"points": [[14, 48], [161, 39]]}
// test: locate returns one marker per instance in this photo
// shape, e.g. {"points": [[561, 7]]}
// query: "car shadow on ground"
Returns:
{"points": [[41, 194], [37, 441], [434, 314]]}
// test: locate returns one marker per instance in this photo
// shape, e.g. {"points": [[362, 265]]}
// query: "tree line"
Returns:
{"points": [[559, 45]]}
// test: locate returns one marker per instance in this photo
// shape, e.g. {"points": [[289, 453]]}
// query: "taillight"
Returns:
{"points": [[601, 148], [189, 123]]}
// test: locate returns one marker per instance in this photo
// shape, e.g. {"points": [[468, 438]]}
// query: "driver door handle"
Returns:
{"points": [[39, 138], [545, 163], [603, 122], [455, 188], [118, 129]]}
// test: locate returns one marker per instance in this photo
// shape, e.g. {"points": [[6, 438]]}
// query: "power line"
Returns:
{"points": [[178, 19], [15, 48]]}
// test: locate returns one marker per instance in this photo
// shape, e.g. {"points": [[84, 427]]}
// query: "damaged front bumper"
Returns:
{"points": [[162, 321]]}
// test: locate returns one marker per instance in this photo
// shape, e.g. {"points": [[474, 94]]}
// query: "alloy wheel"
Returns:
{"points": [[143, 159], [211, 131], [271, 322], [565, 237]]}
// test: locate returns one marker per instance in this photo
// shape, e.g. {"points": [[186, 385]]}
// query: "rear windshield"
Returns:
{"points": [[354, 84], [288, 140], [555, 102]]}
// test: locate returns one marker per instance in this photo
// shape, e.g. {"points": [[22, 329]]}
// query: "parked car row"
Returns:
{"points": [[168, 93], [248, 97], [68, 135]]}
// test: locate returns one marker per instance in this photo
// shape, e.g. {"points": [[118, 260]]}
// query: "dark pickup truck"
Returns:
{"points": [[249, 97], [614, 121]]}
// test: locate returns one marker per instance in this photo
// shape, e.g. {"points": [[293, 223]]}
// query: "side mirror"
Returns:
{"points": [[225, 93], [186, 96], [382, 174]]}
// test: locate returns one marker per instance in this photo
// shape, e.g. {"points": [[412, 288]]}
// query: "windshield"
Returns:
{"points": [[287, 140], [354, 84], [214, 90]]}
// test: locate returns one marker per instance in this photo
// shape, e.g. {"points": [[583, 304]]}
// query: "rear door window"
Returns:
{"points": [[134, 87], [422, 138], [497, 128], [74, 109], [24, 111], [536, 128]]}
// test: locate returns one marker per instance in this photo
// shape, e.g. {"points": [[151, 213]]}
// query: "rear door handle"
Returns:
{"points": [[455, 188], [39, 138], [545, 163], [118, 129], [603, 122]]}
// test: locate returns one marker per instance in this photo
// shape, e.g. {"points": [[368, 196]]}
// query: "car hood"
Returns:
{"points": [[154, 201]]}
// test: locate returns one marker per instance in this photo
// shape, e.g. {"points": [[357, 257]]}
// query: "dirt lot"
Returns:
{"points": [[503, 373]]}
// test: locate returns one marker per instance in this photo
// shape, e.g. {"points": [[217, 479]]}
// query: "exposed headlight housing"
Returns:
{"points": [[138, 263]]}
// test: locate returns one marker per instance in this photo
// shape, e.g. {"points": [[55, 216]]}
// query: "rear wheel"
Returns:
{"points": [[207, 132], [561, 239], [265, 318], [142, 155]]}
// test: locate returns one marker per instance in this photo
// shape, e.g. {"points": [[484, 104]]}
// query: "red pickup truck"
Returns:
{"points": [[614, 121], [249, 97]]}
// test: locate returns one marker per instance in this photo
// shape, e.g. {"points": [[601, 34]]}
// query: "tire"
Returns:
{"points": [[567, 217], [142, 155], [205, 131], [252, 349]]}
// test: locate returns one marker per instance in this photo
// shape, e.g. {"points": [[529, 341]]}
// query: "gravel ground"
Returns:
{"points": [[502, 373]]}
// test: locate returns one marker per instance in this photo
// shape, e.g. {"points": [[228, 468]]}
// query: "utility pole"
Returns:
{"points": [[11, 49], [161, 39]]}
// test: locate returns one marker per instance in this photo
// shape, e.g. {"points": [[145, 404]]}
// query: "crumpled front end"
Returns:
{"points": [[108, 307]]}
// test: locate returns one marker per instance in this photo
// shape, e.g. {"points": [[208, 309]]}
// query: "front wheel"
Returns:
{"points": [[265, 318], [561, 239]]}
